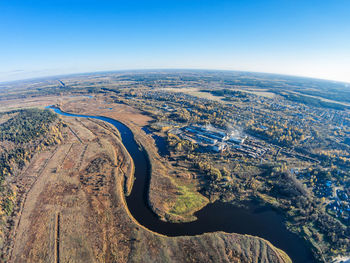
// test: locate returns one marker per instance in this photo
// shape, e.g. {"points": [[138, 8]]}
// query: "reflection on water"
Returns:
{"points": [[159, 141]]}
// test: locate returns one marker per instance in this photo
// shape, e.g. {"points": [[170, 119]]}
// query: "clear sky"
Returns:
{"points": [[297, 37]]}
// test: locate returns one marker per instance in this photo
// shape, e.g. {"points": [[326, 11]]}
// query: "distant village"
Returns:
{"points": [[340, 205], [218, 140], [211, 138], [338, 199]]}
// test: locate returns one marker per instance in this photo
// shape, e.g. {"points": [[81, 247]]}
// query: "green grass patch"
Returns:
{"points": [[269, 199], [188, 201]]}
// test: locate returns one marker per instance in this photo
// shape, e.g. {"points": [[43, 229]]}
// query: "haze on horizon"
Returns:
{"points": [[303, 38]]}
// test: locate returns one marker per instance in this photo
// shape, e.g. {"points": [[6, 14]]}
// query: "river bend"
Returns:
{"points": [[263, 222]]}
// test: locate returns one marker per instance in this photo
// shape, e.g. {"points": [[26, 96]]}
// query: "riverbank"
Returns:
{"points": [[176, 229], [341, 259], [172, 195], [75, 210], [244, 247]]}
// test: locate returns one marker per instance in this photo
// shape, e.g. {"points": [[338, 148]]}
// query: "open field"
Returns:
{"points": [[39, 102], [258, 92], [197, 93], [322, 99], [70, 187]]}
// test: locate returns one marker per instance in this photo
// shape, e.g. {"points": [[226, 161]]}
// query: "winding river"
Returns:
{"points": [[256, 220]]}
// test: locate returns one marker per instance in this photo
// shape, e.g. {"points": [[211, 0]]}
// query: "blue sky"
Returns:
{"points": [[307, 38]]}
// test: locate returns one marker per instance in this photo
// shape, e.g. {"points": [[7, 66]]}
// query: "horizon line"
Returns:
{"points": [[49, 76]]}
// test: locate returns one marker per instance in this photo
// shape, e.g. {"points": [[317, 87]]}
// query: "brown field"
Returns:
{"points": [[197, 93], [72, 206], [38, 102], [206, 95], [258, 92]]}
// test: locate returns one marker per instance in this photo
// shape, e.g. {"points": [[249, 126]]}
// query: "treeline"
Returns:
{"points": [[332, 94], [27, 125], [277, 133], [29, 131], [310, 101], [188, 110], [305, 213], [226, 93]]}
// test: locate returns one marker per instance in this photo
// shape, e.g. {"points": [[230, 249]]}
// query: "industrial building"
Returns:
{"points": [[209, 137]]}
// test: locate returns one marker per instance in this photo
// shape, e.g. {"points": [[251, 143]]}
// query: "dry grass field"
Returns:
{"points": [[67, 211], [38, 102]]}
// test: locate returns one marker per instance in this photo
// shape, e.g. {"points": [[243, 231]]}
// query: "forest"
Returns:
{"points": [[21, 136]]}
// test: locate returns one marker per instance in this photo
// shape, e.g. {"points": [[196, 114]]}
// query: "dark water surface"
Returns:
{"points": [[257, 221], [159, 141]]}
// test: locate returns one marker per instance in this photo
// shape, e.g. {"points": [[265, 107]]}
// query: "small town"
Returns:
{"points": [[218, 140]]}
